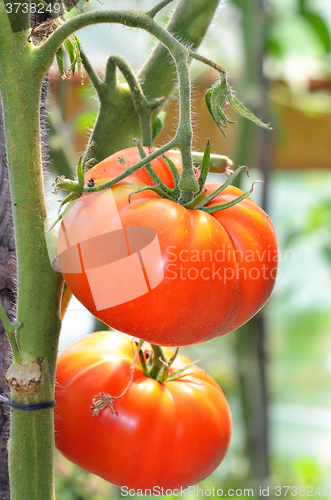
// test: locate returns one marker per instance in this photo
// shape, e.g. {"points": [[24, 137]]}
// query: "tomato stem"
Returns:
{"points": [[159, 370]]}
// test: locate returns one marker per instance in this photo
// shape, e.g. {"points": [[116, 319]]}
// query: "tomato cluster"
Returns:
{"points": [[169, 275]]}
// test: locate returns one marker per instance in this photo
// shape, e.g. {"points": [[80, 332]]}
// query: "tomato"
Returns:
{"points": [[168, 435], [161, 272]]}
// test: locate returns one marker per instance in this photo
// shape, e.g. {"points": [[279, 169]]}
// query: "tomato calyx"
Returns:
{"points": [[154, 364], [200, 200]]}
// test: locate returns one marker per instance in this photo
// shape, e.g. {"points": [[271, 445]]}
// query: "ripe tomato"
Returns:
{"points": [[161, 272], [168, 435]]}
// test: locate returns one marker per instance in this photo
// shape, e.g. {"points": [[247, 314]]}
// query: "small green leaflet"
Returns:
{"points": [[72, 46], [241, 109], [60, 61], [215, 99], [218, 97]]}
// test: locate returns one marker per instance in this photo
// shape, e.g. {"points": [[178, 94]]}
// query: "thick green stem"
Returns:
{"points": [[188, 184], [160, 363], [31, 456]]}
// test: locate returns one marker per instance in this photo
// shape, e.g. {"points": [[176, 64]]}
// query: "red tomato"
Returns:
{"points": [[192, 277], [168, 435]]}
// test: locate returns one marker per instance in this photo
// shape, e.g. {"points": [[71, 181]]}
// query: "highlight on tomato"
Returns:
{"points": [[166, 273], [169, 431]]}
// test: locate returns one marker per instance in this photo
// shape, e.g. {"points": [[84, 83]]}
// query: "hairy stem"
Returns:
{"points": [[31, 451]]}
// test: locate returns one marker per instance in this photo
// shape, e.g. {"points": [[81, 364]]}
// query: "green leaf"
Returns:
{"points": [[71, 53], [60, 61], [321, 29], [72, 46], [210, 100], [241, 109], [76, 48]]}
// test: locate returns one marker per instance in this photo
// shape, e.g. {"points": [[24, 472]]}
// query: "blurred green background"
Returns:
{"points": [[278, 53]]}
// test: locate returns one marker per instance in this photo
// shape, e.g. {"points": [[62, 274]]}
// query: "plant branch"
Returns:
{"points": [[208, 62], [188, 184], [152, 12]]}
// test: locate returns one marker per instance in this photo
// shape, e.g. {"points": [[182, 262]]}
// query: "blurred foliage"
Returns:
{"points": [[300, 21]]}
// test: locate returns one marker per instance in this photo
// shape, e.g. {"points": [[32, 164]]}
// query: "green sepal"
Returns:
{"points": [[80, 172], [211, 196], [196, 201], [173, 357], [69, 199], [78, 58], [71, 53], [180, 373], [204, 166], [69, 186], [156, 190], [223, 206]]}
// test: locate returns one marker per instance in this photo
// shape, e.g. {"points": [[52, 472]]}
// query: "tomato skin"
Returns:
{"points": [[219, 269], [168, 435]]}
